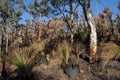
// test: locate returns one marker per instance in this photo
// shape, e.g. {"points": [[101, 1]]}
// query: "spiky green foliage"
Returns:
{"points": [[65, 49], [24, 60]]}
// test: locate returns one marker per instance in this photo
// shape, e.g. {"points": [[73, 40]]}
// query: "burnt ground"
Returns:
{"points": [[87, 71], [54, 71]]}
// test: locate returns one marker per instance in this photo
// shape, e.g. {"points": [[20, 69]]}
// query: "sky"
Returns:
{"points": [[97, 7]]}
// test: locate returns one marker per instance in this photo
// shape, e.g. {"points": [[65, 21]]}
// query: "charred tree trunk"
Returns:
{"points": [[2, 55], [4, 71], [110, 20]]}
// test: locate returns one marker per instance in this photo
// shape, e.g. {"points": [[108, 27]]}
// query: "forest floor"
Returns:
{"points": [[96, 71], [54, 71]]}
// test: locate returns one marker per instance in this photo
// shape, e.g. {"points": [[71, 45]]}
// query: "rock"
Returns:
{"points": [[81, 71]]}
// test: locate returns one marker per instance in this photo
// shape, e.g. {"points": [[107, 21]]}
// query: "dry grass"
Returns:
{"points": [[79, 49], [109, 51], [39, 46]]}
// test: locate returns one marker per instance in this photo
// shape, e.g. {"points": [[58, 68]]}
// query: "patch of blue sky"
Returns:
{"points": [[96, 5]]}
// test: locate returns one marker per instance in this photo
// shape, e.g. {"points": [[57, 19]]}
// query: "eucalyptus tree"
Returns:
{"points": [[67, 9], [10, 12], [60, 7], [38, 8], [85, 4]]}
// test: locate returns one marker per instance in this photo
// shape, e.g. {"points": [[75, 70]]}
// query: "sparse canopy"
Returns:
{"points": [[39, 8], [10, 12]]}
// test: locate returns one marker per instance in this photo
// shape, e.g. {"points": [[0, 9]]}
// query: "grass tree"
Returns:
{"points": [[65, 50], [24, 60], [9, 16]]}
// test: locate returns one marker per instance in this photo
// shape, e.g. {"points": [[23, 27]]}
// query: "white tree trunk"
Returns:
{"points": [[0, 42], [7, 37], [93, 38], [72, 35], [90, 21]]}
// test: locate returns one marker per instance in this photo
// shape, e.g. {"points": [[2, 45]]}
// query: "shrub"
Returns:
{"points": [[39, 47], [109, 51]]}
